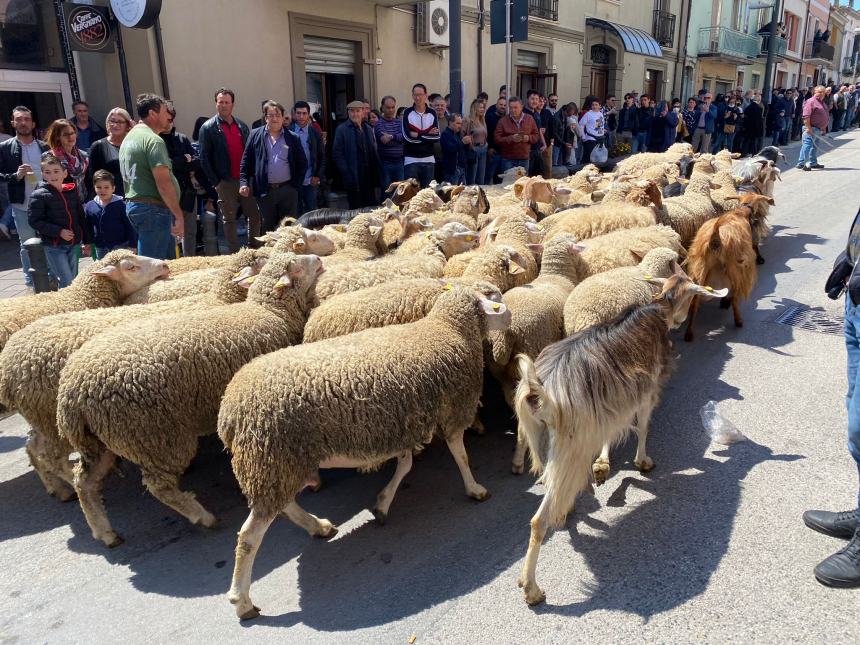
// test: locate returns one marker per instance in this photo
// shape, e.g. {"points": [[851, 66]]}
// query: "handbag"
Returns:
{"points": [[729, 128], [600, 154]]}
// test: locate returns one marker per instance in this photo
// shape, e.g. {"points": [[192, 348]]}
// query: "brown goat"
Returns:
{"points": [[722, 255], [404, 190]]}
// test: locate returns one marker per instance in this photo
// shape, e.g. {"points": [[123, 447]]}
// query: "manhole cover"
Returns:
{"points": [[812, 319]]}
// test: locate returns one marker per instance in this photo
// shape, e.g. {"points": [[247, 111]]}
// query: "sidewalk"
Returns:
{"points": [[11, 276]]}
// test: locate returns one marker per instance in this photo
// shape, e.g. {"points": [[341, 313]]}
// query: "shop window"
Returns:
{"points": [[28, 36]]}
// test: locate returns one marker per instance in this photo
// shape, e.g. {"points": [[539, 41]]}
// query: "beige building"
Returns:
{"points": [[331, 52]]}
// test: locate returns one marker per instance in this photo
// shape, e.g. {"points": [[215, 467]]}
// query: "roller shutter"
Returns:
{"points": [[329, 56], [528, 59]]}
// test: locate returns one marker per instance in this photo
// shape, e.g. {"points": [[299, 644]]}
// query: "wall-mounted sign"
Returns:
{"points": [[89, 28], [136, 14]]}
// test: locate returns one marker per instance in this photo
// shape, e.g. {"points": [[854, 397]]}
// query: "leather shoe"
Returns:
{"points": [[817, 165], [807, 166], [842, 569], [839, 525]]}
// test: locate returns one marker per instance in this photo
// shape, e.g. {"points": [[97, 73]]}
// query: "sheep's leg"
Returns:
{"points": [[250, 537], [52, 468], [736, 312], [310, 523], [89, 479], [642, 461], [691, 318], [539, 525], [518, 463], [166, 490], [600, 467], [386, 496], [758, 257], [458, 451]]}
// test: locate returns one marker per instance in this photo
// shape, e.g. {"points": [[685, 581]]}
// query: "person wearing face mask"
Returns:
{"points": [[706, 119]]}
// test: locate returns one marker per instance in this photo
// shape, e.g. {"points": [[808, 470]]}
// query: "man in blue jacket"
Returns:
{"points": [[222, 143], [355, 156], [273, 168], [705, 121], [314, 149]]}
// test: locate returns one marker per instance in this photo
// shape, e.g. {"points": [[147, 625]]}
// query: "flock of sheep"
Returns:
{"points": [[358, 343]]}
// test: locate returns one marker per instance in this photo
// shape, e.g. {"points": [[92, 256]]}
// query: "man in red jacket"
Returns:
{"points": [[515, 134]]}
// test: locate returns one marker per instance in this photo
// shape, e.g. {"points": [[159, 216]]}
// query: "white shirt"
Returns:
{"points": [[30, 154], [591, 125]]}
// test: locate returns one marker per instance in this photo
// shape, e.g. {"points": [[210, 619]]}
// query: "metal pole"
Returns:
{"points": [[123, 70], [38, 264], [69, 59], [508, 7], [454, 69], [771, 56]]}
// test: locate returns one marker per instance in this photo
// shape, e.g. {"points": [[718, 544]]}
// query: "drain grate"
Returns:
{"points": [[812, 320]]}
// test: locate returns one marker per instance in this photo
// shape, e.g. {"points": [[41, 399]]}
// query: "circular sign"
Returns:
{"points": [[90, 28], [136, 14]]}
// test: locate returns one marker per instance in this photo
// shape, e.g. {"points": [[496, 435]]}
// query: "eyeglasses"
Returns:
{"points": [[709, 97], [118, 122], [70, 134]]}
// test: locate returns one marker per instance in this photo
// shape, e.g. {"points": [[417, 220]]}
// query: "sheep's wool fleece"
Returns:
{"points": [[367, 395], [147, 390], [617, 249]]}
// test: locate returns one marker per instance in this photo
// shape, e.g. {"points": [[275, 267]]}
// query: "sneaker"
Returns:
{"points": [[799, 166], [842, 569], [839, 525], [807, 167], [817, 165]]}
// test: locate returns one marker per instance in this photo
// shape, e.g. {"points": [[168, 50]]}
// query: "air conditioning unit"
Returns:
{"points": [[432, 28]]}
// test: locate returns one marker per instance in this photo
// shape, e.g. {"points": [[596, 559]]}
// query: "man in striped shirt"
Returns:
{"points": [[420, 129]]}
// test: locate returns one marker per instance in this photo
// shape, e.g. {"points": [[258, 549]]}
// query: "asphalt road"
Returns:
{"points": [[709, 547]]}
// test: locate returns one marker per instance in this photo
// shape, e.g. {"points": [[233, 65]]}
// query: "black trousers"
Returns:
{"points": [[364, 195], [279, 203]]}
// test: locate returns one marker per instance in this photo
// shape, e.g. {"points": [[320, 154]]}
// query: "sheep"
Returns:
{"points": [[626, 247], [106, 283], [501, 265], [337, 234], [402, 191], [685, 214], [586, 391], [146, 391], [446, 191], [472, 202], [722, 254], [496, 211], [726, 195], [329, 404], [601, 219], [428, 262], [638, 163], [425, 202], [390, 303], [511, 175], [455, 237], [193, 282], [31, 362], [401, 226], [363, 240]]}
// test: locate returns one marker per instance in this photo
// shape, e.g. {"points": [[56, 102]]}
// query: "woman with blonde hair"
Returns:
{"points": [[104, 153], [476, 154], [62, 139]]}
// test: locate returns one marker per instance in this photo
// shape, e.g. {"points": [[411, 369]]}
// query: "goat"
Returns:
{"points": [[446, 191], [585, 391], [402, 191], [722, 254]]}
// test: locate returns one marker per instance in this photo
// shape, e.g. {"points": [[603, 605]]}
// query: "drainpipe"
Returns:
{"points": [[481, 27], [454, 68], [686, 40]]}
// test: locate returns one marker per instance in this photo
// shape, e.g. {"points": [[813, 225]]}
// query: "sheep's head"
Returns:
{"points": [[476, 198], [645, 193], [455, 238], [403, 191], [130, 272], [285, 274], [511, 175], [676, 293], [316, 243], [659, 261]]}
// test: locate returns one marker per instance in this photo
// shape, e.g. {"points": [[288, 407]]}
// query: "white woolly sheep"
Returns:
{"points": [[626, 247], [146, 391], [363, 240], [329, 404], [600, 219], [685, 214]]}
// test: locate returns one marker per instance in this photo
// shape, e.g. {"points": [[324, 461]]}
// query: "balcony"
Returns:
{"points": [[546, 9], [848, 67], [663, 28], [727, 45], [818, 50], [779, 52]]}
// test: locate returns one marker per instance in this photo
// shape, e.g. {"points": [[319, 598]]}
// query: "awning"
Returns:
{"points": [[635, 40]]}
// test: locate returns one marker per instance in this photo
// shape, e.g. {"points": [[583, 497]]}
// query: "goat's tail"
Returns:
{"points": [[715, 242], [530, 402]]}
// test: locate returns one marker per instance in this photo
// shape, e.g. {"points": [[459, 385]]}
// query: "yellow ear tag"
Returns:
{"points": [[648, 277], [427, 235], [469, 238], [237, 274], [709, 288], [496, 306], [448, 286], [250, 279], [340, 228]]}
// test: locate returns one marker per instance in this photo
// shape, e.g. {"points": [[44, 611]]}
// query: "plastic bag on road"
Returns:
{"points": [[718, 428]]}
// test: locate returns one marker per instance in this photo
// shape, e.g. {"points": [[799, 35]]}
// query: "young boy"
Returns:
{"points": [[56, 214], [106, 217]]}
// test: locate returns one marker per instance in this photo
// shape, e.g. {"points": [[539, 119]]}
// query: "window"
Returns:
{"points": [[792, 23], [723, 87], [755, 81], [740, 78], [737, 14], [29, 37]]}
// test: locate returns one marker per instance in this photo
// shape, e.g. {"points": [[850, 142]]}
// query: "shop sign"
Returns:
{"points": [[89, 28]]}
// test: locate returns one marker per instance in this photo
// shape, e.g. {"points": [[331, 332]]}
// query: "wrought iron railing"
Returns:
{"points": [[819, 49], [780, 45], [663, 28], [547, 9], [728, 43]]}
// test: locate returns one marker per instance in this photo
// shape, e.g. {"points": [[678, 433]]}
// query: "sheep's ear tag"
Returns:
{"points": [[496, 306], [340, 228], [447, 286], [469, 238], [283, 282], [709, 288], [427, 235]]}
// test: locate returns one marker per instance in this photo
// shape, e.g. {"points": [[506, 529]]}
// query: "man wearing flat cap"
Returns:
{"points": [[354, 154]]}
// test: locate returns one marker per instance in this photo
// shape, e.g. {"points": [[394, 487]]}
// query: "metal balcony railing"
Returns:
{"points": [[848, 66], [663, 28], [722, 42], [820, 50], [546, 9], [779, 42]]}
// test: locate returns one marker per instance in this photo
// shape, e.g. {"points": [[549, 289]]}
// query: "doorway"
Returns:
{"points": [[330, 93], [599, 80], [652, 84], [46, 107]]}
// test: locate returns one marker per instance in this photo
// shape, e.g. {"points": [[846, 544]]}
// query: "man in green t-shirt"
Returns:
{"points": [[151, 190]]}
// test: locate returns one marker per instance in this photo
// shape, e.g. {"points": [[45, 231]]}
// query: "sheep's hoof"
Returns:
{"points": [[65, 494], [381, 517], [646, 465], [517, 469], [726, 302], [208, 521], [251, 614], [534, 594], [739, 323], [112, 540], [327, 529], [759, 260], [479, 493], [600, 468], [688, 336]]}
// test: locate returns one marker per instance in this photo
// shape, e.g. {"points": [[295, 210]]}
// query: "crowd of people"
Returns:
{"points": [[138, 183]]}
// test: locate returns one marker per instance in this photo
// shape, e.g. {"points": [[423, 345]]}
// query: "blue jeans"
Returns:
{"points": [[63, 263], [152, 223], [808, 153], [642, 141], [723, 138], [476, 169], [507, 164], [852, 398], [25, 232], [424, 172], [494, 162], [457, 177], [392, 171], [307, 198]]}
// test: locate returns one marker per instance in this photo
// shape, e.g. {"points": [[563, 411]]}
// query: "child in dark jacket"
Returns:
{"points": [[56, 214], [454, 151], [106, 217]]}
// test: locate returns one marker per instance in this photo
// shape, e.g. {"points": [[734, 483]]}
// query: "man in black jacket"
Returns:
{"points": [[314, 150], [355, 156], [185, 161], [19, 168], [273, 168], [222, 143]]}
